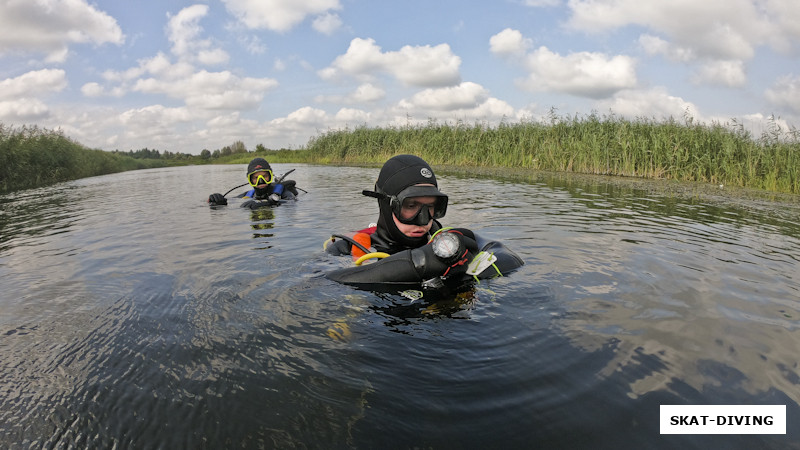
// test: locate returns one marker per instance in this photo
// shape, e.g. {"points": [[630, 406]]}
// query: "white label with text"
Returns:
{"points": [[723, 419]]}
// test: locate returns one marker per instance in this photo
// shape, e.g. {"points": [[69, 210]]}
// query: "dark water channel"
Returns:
{"points": [[132, 315]]}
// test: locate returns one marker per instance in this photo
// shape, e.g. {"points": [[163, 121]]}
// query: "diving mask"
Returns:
{"points": [[261, 177], [415, 205]]}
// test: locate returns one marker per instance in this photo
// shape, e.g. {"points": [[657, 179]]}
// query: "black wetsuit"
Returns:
{"points": [[412, 266], [411, 260], [260, 198]]}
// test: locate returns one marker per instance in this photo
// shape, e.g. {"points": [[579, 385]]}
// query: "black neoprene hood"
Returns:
{"points": [[402, 171], [257, 164], [396, 175]]}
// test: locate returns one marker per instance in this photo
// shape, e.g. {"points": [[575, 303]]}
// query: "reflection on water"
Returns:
{"points": [[690, 287], [133, 315]]}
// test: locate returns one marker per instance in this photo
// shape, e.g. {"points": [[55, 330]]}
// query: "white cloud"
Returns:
{"points": [[33, 83], [509, 43], [183, 31], [785, 93], [277, 15], [158, 65], [653, 45], [252, 44], [467, 101], [365, 93], [224, 121], [787, 15], [50, 27], [92, 90], [298, 126], [23, 110], [154, 116], [725, 73], [711, 29], [492, 111], [184, 28], [327, 24], [210, 90], [467, 95], [95, 90], [212, 57], [350, 116], [416, 66], [307, 115], [157, 125], [654, 103], [199, 89], [363, 57], [494, 108], [20, 96], [583, 74]]}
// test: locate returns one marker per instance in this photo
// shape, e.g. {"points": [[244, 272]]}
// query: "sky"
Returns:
{"points": [[185, 76]]}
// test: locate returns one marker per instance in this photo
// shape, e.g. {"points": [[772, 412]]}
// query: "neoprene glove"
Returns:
{"points": [[217, 199], [256, 204]]}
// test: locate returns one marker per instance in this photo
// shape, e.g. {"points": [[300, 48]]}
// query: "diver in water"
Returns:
{"points": [[266, 190], [414, 247]]}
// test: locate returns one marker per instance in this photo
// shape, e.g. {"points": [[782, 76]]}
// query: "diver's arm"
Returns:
{"points": [[414, 265], [289, 189], [393, 269], [256, 204], [338, 247], [507, 261], [421, 264]]}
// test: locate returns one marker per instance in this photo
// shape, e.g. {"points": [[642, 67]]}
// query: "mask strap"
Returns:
{"points": [[374, 194]]}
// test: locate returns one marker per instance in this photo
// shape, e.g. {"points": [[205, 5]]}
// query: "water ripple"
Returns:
{"points": [[135, 316]]}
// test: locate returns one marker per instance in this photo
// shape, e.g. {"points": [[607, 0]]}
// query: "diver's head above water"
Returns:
{"points": [[259, 174], [408, 199]]}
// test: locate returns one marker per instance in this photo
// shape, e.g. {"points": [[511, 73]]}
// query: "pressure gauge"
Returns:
{"points": [[446, 246]]}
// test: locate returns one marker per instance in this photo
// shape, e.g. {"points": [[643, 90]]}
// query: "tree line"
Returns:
{"points": [[237, 148], [32, 156]]}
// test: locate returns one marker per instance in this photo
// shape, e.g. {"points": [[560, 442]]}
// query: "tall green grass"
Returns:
{"points": [[591, 144], [33, 157], [667, 149]]}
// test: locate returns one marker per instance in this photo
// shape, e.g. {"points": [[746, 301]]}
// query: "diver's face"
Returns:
{"points": [[259, 179], [411, 209]]}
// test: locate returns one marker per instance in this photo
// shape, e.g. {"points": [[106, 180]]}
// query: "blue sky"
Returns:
{"points": [[184, 76]]}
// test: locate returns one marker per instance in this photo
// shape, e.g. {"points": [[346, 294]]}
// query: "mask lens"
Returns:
{"points": [[419, 210], [260, 177]]}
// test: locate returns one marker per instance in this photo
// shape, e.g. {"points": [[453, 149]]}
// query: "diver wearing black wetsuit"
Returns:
{"points": [[416, 248], [265, 190]]}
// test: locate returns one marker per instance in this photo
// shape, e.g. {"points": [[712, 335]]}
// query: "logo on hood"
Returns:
{"points": [[425, 172]]}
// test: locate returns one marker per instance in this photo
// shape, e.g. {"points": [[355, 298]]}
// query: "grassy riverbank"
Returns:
{"points": [[588, 145], [639, 149], [33, 157]]}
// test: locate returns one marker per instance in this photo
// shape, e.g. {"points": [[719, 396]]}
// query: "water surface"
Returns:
{"points": [[132, 315]]}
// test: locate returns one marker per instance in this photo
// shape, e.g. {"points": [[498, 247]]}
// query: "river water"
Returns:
{"points": [[132, 315]]}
